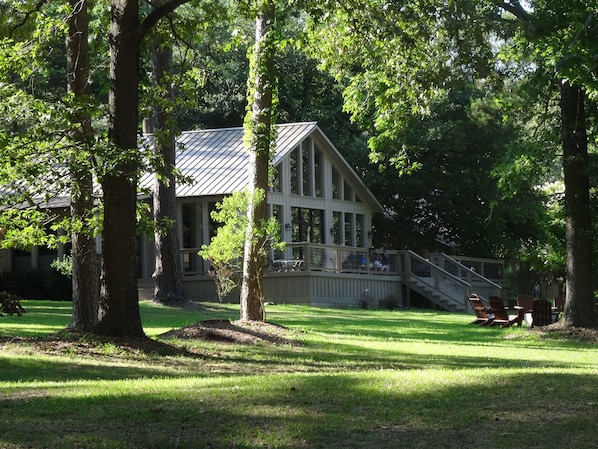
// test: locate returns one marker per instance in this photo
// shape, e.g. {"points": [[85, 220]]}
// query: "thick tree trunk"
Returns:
{"points": [[85, 273], [580, 307], [168, 279], [119, 313], [260, 136]]}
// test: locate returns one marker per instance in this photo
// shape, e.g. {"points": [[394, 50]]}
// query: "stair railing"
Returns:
{"points": [[412, 264], [480, 285]]}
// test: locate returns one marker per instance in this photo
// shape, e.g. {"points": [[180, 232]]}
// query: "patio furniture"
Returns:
{"points": [[525, 305], [542, 312], [501, 317], [480, 310]]}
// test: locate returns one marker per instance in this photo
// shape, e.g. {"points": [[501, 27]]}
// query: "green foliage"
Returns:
{"points": [[395, 58], [225, 251], [25, 228], [63, 266]]}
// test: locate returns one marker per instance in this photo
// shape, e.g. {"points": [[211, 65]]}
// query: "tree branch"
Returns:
{"points": [[36, 9], [158, 13], [515, 8]]}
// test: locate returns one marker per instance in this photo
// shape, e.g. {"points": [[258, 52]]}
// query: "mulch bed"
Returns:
{"points": [[241, 332]]}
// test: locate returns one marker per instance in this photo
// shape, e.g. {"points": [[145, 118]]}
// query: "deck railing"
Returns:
{"points": [[332, 258], [441, 272]]}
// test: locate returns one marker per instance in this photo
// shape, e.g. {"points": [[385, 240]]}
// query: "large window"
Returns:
{"points": [[277, 213], [360, 229], [307, 225], [318, 176], [349, 241], [191, 237], [347, 192], [337, 184], [294, 171], [337, 219], [306, 166], [276, 179]]}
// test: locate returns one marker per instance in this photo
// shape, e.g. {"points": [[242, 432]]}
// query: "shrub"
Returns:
{"points": [[10, 304], [390, 302]]}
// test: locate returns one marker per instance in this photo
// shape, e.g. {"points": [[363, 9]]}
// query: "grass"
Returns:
{"points": [[360, 379]]}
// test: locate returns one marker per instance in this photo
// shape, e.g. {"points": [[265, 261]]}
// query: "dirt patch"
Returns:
{"points": [[220, 331], [97, 345], [240, 332], [558, 332]]}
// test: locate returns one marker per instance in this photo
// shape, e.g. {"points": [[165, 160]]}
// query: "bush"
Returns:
{"points": [[10, 304], [390, 302]]}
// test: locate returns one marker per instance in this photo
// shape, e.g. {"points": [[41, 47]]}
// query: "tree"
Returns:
{"points": [[259, 137], [61, 137], [85, 262], [167, 275], [452, 199], [225, 251], [561, 40], [397, 58], [119, 307], [581, 309]]}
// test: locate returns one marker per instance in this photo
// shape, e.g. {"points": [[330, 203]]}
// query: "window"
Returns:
{"points": [[276, 175], [306, 166], [337, 187], [347, 192], [360, 229], [318, 177], [337, 219], [307, 224], [191, 237], [277, 213], [349, 241], [294, 171]]}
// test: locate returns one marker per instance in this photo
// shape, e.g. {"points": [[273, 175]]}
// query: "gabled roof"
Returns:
{"points": [[218, 161]]}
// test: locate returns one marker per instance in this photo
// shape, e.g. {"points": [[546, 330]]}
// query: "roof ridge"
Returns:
{"points": [[237, 128]]}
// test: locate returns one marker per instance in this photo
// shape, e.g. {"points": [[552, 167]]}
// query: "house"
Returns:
{"points": [[318, 198], [325, 213]]}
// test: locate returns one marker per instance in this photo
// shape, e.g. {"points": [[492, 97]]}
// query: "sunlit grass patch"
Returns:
{"points": [[359, 379]]}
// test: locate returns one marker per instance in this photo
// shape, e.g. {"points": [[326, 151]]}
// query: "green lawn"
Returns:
{"points": [[359, 379]]}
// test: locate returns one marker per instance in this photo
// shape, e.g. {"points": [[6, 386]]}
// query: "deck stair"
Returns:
{"points": [[444, 281]]}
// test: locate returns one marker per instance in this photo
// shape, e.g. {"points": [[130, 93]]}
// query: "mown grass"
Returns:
{"points": [[359, 379]]}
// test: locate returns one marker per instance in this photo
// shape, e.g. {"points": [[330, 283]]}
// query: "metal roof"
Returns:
{"points": [[217, 160]]}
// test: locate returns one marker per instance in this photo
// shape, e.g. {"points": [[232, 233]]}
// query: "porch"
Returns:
{"points": [[341, 276]]}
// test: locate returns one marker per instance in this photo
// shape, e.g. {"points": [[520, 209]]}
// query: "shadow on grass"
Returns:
{"points": [[486, 408]]}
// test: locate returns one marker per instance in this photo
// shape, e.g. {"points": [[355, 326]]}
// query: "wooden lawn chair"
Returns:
{"points": [[501, 317], [542, 313], [480, 311], [525, 304]]}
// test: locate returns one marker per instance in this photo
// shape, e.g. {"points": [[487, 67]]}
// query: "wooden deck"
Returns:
{"points": [[338, 276]]}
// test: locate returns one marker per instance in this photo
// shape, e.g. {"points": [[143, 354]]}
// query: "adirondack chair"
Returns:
{"points": [[501, 317], [542, 312], [525, 304], [480, 311]]}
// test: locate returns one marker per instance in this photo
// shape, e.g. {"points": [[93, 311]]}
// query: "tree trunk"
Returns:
{"points": [[259, 130], [168, 279], [119, 312], [580, 307], [85, 272]]}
